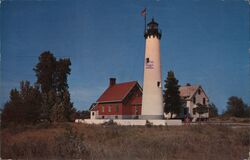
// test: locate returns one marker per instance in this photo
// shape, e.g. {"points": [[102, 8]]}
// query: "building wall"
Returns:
{"points": [[116, 117], [192, 103], [93, 114], [110, 108], [152, 100], [199, 97], [132, 105], [129, 109]]}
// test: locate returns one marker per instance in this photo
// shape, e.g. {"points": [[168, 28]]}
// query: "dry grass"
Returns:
{"points": [[229, 119], [67, 141]]}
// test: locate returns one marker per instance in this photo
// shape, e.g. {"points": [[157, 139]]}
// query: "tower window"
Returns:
{"points": [[158, 84], [147, 60]]}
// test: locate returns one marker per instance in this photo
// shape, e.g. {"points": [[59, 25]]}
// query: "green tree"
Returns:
{"points": [[236, 107], [84, 114], [63, 109], [247, 111], [61, 73], [213, 111], [49, 100], [58, 112], [69, 109], [45, 71], [24, 106], [51, 73], [201, 109], [32, 101], [172, 97], [52, 77], [12, 108]]}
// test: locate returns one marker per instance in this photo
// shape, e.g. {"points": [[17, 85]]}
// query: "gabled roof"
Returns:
{"points": [[187, 92], [93, 107], [117, 92]]}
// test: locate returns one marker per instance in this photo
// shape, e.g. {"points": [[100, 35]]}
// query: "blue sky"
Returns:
{"points": [[204, 42]]}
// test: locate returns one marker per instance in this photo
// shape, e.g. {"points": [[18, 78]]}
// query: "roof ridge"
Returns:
{"points": [[129, 91], [196, 85], [125, 82], [117, 91]]}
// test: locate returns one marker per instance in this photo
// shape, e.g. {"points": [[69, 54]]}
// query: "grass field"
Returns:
{"points": [[70, 140]]}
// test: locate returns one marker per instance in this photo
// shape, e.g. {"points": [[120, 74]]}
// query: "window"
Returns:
{"points": [[136, 110], [194, 111], [138, 95], [199, 91], [158, 84], [109, 109], [93, 113], [102, 117], [147, 60], [117, 108], [102, 108], [116, 117], [204, 101], [194, 100]]}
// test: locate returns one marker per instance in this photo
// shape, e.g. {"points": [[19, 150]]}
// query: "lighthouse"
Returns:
{"points": [[152, 100]]}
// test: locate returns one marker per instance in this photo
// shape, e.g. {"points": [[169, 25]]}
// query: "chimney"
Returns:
{"points": [[112, 81], [188, 84]]}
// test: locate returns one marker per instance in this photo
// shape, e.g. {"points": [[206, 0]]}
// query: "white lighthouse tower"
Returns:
{"points": [[152, 100]]}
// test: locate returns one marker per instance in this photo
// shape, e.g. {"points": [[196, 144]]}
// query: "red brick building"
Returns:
{"points": [[118, 101]]}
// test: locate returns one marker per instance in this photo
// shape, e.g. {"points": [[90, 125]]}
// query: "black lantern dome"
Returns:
{"points": [[152, 30]]}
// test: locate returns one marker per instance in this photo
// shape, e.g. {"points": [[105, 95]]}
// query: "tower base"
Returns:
{"points": [[151, 117]]}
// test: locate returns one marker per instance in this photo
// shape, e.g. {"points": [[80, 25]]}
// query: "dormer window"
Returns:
{"points": [[199, 91]]}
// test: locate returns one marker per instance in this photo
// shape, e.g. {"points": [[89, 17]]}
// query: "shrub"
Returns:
{"points": [[71, 145], [245, 138], [110, 122], [148, 124]]}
